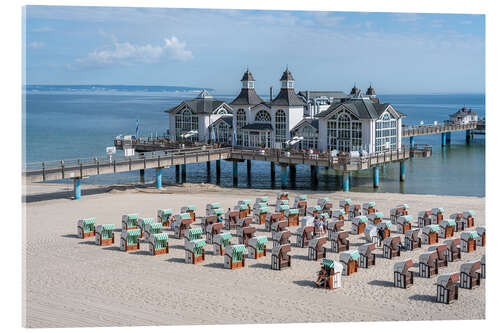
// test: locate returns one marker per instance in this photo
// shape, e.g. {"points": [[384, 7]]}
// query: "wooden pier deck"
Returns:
{"points": [[436, 129]]}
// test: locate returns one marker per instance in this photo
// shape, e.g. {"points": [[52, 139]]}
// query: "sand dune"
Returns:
{"points": [[71, 282]]}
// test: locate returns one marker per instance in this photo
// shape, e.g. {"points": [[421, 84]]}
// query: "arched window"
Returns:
{"points": [[344, 132], [186, 121], [310, 135], [222, 111], [280, 121], [263, 116], [385, 133]]}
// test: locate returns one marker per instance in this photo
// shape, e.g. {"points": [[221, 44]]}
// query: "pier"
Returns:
{"points": [[78, 169], [445, 130]]}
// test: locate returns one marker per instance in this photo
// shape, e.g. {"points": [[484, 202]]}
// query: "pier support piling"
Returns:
{"points": [[235, 173], [249, 172], [376, 172], [314, 174], [159, 177], [412, 141], [183, 174], [284, 176], [209, 173], [443, 139], [293, 174], [273, 173], [177, 173], [467, 136], [217, 172], [345, 182], [402, 171], [448, 137], [141, 175], [77, 188]]}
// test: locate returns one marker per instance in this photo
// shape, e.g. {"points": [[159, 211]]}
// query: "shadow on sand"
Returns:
{"points": [[423, 298], [381, 283]]}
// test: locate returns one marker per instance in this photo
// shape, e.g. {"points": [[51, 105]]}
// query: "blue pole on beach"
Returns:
{"points": [[158, 177], [283, 176], [345, 182], [376, 172], [235, 173], [402, 171], [412, 141], [443, 139], [77, 189]]}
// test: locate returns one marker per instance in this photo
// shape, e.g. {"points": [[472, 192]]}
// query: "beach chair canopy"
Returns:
{"points": [[346, 256], [435, 211], [430, 228], [405, 219], [391, 241], [244, 202], [264, 210], [346, 202], [456, 216], [131, 236], [480, 230], [302, 197], [469, 235], [262, 199], [316, 208], [281, 250], [384, 225], [225, 236], [194, 233], [370, 231], [154, 227], [108, 227], [470, 266], [88, 221], [403, 266], [163, 236], [427, 258], [307, 221], [423, 213], [323, 201], [366, 248], [444, 279], [130, 217], [369, 204], [338, 212], [146, 220], [360, 219], [447, 223], [317, 242], [283, 202], [261, 205], [293, 211], [468, 213], [284, 207], [412, 234], [218, 211], [214, 205], [403, 206], [450, 243], [188, 208], [185, 216], [165, 213], [378, 215]]}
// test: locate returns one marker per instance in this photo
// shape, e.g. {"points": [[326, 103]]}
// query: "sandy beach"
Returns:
{"points": [[71, 282]]}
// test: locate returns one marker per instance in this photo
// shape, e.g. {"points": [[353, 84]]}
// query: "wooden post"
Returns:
{"points": [[217, 171]]}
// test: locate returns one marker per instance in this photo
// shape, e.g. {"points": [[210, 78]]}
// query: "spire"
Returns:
{"points": [[354, 89], [370, 91]]}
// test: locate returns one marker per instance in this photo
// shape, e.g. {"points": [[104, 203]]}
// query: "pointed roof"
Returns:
{"points": [[287, 76], [361, 108], [247, 76], [354, 90], [202, 104], [288, 97], [370, 91]]}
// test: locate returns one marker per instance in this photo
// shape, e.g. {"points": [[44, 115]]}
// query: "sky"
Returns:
{"points": [[397, 53]]}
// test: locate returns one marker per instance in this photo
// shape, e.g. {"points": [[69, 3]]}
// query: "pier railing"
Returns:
{"points": [[436, 129]]}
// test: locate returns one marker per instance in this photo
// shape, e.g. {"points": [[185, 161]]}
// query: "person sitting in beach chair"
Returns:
{"points": [[165, 217], [330, 275]]}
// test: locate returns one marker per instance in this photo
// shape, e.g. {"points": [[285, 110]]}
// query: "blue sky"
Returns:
{"points": [[397, 53]]}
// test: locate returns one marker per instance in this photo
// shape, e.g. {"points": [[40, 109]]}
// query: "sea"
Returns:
{"points": [[71, 122]]}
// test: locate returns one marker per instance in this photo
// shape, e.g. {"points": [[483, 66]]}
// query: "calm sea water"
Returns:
{"points": [[76, 122]]}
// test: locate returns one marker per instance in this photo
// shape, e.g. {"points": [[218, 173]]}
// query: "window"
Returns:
{"points": [[310, 135], [222, 111], [343, 132], [263, 116], [385, 133], [222, 132], [280, 119], [186, 121], [241, 120]]}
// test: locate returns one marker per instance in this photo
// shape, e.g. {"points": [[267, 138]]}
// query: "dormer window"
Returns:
{"points": [[251, 84]]}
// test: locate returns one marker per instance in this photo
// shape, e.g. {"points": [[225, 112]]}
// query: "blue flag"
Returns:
{"points": [[137, 129]]}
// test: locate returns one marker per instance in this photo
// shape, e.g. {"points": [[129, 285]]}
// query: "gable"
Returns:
{"points": [[340, 109]]}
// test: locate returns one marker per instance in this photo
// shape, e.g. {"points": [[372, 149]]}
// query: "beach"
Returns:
{"points": [[72, 282]]}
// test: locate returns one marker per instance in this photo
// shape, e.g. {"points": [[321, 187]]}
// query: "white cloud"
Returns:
{"points": [[127, 53], [36, 45]]}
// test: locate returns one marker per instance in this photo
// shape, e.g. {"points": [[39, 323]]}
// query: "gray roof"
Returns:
{"points": [[247, 76], [203, 104], [287, 76], [227, 118], [288, 97], [314, 122], [362, 108], [247, 97], [323, 93], [258, 126]]}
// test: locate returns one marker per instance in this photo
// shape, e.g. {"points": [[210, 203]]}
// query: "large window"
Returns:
{"points": [[186, 121], [241, 120], [223, 132], [310, 135], [385, 133], [263, 116], [344, 132], [280, 119]]}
